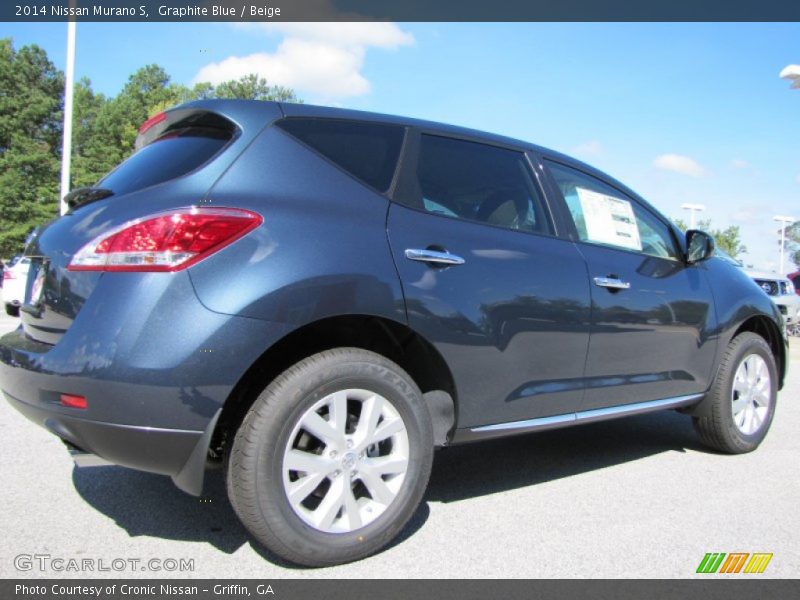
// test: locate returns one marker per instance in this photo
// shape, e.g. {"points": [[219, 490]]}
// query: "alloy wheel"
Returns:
{"points": [[345, 461], [751, 394]]}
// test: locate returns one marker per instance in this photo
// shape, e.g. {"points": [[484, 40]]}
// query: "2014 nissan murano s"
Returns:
{"points": [[319, 297]]}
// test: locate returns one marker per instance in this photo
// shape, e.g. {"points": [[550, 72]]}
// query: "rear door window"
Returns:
{"points": [[182, 148], [367, 151], [476, 182]]}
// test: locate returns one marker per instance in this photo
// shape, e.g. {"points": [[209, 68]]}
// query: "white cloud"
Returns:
{"points": [[679, 164], [739, 163], [745, 215], [321, 59], [589, 148], [376, 34]]}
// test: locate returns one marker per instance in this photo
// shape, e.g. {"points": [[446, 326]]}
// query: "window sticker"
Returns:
{"points": [[609, 220]]}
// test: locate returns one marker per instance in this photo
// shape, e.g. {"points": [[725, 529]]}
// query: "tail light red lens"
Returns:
{"points": [[9, 275], [166, 242], [72, 401]]}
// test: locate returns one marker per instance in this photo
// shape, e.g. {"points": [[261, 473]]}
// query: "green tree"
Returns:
{"points": [[110, 126], [793, 242], [728, 240], [104, 132], [30, 137], [248, 87], [88, 163]]}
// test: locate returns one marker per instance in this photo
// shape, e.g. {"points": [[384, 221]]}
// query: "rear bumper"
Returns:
{"points": [[155, 371], [152, 449]]}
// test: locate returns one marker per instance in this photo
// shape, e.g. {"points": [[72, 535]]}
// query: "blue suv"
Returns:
{"points": [[318, 298]]}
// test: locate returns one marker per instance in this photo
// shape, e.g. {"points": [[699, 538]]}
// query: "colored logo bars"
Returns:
{"points": [[735, 562]]}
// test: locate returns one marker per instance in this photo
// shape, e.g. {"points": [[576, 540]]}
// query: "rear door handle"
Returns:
{"points": [[436, 257], [612, 282]]}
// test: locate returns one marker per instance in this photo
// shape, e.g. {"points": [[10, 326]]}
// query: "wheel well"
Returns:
{"points": [[768, 330], [391, 339]]}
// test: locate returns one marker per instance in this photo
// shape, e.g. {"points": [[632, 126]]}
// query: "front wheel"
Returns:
{"points": [[332, 459], [742, 398]]}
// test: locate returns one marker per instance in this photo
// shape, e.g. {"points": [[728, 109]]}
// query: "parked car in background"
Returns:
{"points": [[795, 277], [782, 292], [15, 277], [321, 297]]}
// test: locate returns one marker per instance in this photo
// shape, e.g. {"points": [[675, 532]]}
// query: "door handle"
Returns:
{"points": [[613, 283], [436, 257]]}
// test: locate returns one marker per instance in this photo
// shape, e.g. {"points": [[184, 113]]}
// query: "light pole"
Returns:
{"points": [[792, 73], [785, 222], [66, 141], [693, 209]]}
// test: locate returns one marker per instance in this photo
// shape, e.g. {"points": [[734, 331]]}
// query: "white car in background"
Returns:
{"points": [[781, 290], [14, 280]]}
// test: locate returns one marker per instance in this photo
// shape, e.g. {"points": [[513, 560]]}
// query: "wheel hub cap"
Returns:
{"points": [[751, 394], [349, 461], [345, 461]]}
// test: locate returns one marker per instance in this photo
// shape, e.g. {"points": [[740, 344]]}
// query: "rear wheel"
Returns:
{"points": [[332, 459], [742, 398], [12, 310]]}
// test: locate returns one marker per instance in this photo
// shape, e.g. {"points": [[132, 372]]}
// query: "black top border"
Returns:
{"points": [[399, 10]]}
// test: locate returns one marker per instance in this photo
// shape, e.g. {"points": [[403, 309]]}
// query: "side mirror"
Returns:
{"points": [[699, 246]]}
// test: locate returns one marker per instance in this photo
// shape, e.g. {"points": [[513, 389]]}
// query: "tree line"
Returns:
{"points": [[104, 129]]}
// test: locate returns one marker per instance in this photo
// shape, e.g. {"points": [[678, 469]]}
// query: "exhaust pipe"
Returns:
{"points": [[81, 458]]}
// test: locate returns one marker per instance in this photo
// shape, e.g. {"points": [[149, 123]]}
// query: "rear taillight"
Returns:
{"points": [[165, 242], [8, 275]]}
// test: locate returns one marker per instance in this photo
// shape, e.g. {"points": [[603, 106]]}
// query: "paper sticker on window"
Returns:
{"points": [[609, 220]]}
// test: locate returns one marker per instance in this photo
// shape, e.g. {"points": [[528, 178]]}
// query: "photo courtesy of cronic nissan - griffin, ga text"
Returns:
{"points": [[318, 298]]}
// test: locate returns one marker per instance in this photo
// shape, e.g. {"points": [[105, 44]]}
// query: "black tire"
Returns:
{"points": [[718, 430], [12, 310], [255, 466]]}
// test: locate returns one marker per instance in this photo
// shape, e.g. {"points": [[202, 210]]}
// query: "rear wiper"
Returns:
{"points": [[86, 195]]}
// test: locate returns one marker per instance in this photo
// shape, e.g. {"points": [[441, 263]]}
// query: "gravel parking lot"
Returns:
{"points": [[638, 497]]}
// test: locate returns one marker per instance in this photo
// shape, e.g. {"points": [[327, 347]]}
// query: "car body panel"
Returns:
{"points": [[504, 321], [155, 374], [322, 249], [65, 291], [651, 341], [165, 351], [738, 298]]}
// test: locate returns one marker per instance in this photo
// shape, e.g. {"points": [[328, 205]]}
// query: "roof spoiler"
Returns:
{"points": [[154, 127]]}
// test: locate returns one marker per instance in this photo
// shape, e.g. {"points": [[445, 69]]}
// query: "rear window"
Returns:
{"points": [[183, 147], [368, 151]]}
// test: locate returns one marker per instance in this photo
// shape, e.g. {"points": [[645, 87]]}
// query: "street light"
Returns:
{"points": [[785, 222], [693, 209], [792, 73], [66, 140]]}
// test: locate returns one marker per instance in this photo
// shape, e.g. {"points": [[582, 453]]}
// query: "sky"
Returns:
{"points": [[681, 113]]}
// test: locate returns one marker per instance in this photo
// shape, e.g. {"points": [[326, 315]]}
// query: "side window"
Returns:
{"points": [[368, 151], [477, 182], [604, 215]]}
